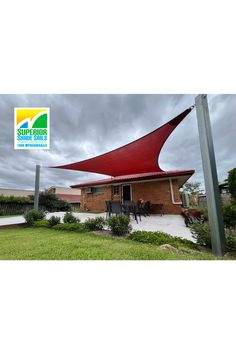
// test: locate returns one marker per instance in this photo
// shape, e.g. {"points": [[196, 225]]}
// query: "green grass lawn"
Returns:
{"points": [[19, 243]]}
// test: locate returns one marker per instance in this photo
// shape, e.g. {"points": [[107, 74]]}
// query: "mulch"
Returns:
{"points": [[12, 226]]}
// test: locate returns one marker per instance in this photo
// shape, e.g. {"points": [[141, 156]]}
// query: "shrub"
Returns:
{"points": [[229, 214], [97, 223], [69, 218], [33, 215], [230, 240], [157, 238], [59, 205], [54, 220], [15, 200], [14, 205], [204, 213], [232, 184], [51, 203], [202, 234], [160, 238], [119, 225], [78, 227], [41, 223]]}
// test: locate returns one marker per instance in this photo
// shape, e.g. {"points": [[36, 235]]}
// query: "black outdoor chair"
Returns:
{"points": [[108, 208], [146, 208], [143, 208], [116, 207], [131, 208], [137, 211], [127, 207], [134, 209]]}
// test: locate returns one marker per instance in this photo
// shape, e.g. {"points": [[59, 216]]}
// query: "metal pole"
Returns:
{"points": [[210, 175], [36, 189]]}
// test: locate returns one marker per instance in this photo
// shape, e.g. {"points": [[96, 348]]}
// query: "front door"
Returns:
{"points": [[126, 192]]}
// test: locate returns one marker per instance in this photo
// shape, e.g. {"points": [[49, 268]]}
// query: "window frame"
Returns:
{"points": [[114, 187]]}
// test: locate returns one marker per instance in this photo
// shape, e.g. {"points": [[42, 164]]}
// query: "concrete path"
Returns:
{"points": [[171, 224], [12, 220]]}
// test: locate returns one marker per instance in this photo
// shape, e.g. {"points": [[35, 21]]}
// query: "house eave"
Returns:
{"points": [[182, 177]]}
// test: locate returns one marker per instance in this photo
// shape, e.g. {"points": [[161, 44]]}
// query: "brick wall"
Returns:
{"points": [[157, 192], [95, 202]]}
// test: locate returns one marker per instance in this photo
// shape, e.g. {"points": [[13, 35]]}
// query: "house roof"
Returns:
{"points": [[138, 157], [137, 177], [69, 198]]}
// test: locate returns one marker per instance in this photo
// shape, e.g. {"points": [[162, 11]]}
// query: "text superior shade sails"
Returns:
{"points": [[139, 156]]}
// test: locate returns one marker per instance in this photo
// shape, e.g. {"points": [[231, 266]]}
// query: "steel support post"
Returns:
{"points": [[36, 189], [210, 175]]}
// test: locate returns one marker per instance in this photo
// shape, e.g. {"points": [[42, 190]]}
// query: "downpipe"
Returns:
{"points": [[172, 194]]}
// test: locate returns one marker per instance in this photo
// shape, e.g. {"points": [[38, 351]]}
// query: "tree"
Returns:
{"points": [[232, 184], [192, 188], [50, 201]]}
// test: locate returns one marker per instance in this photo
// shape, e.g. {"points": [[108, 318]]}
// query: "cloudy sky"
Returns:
{"points": [[83, 126]]}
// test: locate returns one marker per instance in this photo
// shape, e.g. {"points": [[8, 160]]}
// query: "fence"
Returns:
{"points": [[16, 209], [202, 200]]}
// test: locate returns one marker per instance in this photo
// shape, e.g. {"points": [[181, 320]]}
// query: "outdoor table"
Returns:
{"points": [[157, 209]]}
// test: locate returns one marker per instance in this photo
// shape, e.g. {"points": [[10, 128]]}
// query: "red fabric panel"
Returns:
{"points": [[139, 156]]}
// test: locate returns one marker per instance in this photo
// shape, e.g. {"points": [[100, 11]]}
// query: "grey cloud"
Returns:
{"points": [[84, 126]]}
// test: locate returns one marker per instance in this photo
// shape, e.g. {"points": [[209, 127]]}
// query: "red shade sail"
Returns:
{"points": [[139, 156]]}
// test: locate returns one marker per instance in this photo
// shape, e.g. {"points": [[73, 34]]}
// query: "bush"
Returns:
{"points": [[97, 223], [78, 227], [232, 184], [229, 214], [59, 205], [15, 200], [230, 240], [160, 238], [34, 215], [14, 205], [202, 234], [54, 220], [204, 213], [119, 225], [51, 203], [69, 218], [41, 223]]}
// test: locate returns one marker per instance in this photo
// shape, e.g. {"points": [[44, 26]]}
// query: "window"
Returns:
{"points": [[97, 190], [116, 190]]}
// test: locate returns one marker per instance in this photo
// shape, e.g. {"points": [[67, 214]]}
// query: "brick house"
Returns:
{"points": [[158, 188], [135, 173]]}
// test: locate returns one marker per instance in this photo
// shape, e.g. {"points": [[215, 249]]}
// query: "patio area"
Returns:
{"points": [[171, 224]]}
